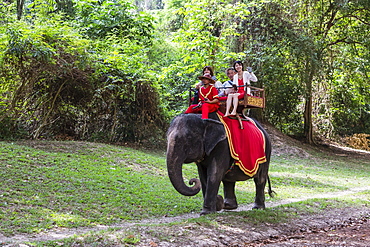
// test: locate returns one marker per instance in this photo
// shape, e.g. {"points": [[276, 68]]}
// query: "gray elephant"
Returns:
{"points": [[191, 139]]}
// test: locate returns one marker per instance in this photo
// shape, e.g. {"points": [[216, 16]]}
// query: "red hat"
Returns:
{"points": [[206, 76]]}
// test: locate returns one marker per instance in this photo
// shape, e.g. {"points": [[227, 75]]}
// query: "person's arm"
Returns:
{"points": [[251, 76], [235, 79], [198, 85], [218, 85], [214, 101]]}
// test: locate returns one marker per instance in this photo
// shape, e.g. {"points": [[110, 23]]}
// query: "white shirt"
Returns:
{"points": [[225, 90], [218, 84], [247, 77]]}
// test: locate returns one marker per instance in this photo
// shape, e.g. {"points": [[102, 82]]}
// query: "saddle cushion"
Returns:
{"points": [[247, 145]]}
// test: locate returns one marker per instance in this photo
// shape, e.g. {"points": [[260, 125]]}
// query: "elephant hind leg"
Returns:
{"points": [[259, 200]]}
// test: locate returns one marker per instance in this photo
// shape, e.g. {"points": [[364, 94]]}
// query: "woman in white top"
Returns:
{"points": [[242, 80]]}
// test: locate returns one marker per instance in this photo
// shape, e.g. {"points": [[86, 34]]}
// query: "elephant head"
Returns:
{"points": [[190, 139]]}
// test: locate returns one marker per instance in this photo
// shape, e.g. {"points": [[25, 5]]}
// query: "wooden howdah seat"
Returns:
{"points": [[255, 100]]}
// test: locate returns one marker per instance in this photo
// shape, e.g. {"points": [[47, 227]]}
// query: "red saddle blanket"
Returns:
{"points": [[247, 146]]}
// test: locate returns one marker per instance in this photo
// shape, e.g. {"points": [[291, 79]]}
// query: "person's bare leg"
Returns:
{"points": [[228, 104], [235, 103]]}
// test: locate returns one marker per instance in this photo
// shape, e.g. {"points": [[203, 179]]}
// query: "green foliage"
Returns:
{"points": [[302, 49], [128, 92], [47, 69], [6, 16], [297, 51], [98, 19], [349, 115], [350, 93], [52, 88], [66, 63], [283, 90], [202, 33]]}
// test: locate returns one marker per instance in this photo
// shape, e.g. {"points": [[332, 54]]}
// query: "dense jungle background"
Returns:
{"points": [[119, 70]]}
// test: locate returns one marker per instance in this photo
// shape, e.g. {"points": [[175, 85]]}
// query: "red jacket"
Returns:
{"points": [[210, 93]]}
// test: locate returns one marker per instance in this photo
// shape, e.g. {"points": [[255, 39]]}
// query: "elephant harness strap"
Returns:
{"points": [[239, 120]]}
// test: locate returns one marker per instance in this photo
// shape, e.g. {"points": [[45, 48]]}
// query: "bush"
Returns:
{"points": [[56, 83]]}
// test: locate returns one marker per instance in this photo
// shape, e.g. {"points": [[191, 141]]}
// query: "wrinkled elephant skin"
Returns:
{"points": [[191, 139]]}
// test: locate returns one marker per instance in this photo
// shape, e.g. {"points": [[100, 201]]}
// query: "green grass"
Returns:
{"points": [[293, 177], [47, 184], [62, 186], [91, 239]]}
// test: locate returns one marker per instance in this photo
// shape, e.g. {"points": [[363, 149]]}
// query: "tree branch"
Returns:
{"points": [[359, 19], [343, 40]]}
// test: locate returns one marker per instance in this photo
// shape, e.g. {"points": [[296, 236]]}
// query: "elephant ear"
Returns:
{"points": [[213, 134]]}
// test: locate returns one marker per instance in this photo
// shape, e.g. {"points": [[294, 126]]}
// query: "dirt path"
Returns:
{"points": [[302, 230]]}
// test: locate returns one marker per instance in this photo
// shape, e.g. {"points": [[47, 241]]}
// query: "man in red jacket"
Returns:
{"points": [[208, 96]]}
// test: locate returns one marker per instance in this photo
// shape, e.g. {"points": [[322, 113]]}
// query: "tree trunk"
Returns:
{"points": [[309, 75], [308, 120], [20, 4]]}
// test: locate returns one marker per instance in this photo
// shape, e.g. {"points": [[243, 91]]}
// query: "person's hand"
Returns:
{"points": [[206, 99], [249, 69]]}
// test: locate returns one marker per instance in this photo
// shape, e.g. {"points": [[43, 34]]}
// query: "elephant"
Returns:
{"points": [[192, 139]]}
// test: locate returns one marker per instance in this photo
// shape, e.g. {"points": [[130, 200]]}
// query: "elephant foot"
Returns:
{"points": [[219, 203], [210, 210], [259, 206], [230, 204], [206, 211]]}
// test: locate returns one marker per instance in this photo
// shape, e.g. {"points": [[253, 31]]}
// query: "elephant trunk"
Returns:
{"points": [[174, 168]]}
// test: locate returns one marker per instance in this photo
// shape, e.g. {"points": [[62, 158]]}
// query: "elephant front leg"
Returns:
{"points": [[212, 201], [229, 193], [259, 201], [202, 171]]}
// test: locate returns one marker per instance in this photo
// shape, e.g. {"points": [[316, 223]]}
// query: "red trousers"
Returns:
{"points": [[205, 108]]}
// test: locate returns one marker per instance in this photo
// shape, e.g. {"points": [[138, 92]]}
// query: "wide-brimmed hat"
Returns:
{"points": [[206, 76]]}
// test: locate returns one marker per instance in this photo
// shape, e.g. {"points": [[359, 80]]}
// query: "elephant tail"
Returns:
{"points": [[270, 191]]}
